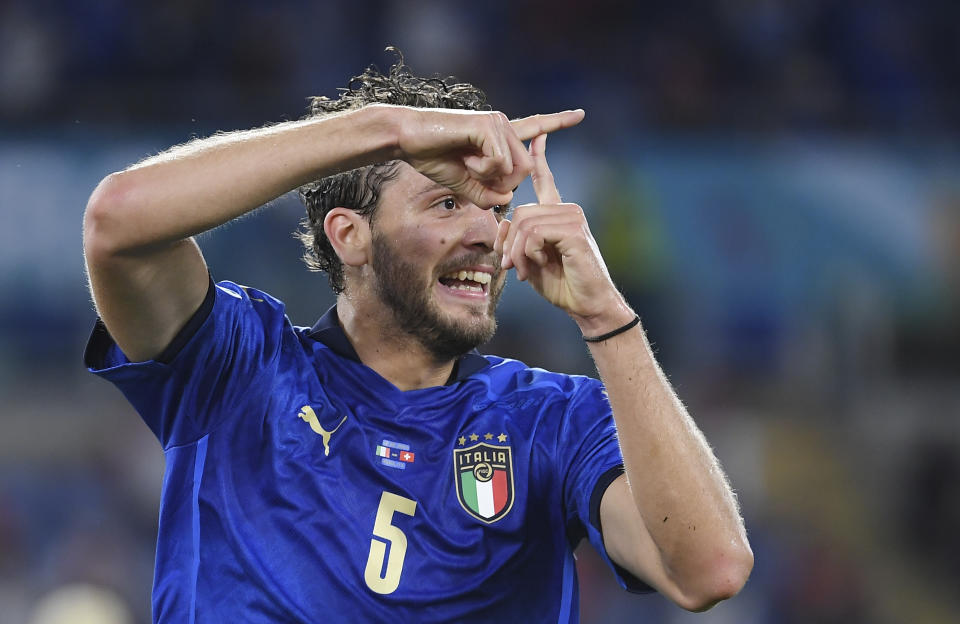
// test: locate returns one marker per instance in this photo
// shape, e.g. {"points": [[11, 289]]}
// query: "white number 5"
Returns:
{"points": [[384, 529]]}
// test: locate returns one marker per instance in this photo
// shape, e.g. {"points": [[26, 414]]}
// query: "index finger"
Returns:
{"points": [[529, 127], [543, 183]]}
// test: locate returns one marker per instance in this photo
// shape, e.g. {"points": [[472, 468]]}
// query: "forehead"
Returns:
{"points": [[408, 186]]}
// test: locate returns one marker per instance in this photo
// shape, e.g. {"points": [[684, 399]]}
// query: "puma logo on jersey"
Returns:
{"points": [[310, 417]]}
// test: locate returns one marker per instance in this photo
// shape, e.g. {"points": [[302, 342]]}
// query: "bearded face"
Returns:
{"points": [[448, 308]]}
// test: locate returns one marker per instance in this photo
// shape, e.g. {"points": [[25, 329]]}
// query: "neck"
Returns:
{"points": [[386, 348]]}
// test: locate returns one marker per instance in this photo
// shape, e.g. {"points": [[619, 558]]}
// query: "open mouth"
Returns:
{"points": [[467, 281]]}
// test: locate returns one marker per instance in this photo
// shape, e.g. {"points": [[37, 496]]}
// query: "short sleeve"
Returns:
{"points": [[590, 461], [220, 362]]}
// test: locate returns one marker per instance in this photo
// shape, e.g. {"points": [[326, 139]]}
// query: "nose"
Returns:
{"points": [[481, 227]]}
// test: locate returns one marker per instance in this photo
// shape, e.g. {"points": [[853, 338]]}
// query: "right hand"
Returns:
{"points": [[479, 155]]}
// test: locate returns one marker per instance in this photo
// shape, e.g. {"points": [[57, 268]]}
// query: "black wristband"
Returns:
{"points": [[616, 332]]}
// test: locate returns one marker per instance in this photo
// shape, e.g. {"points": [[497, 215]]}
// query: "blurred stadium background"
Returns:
{"points": [[774, 184]]}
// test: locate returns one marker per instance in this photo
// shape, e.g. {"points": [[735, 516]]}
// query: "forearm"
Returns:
{"points": [[202, 184], [146, 275], [674, 521], [677, 485]]}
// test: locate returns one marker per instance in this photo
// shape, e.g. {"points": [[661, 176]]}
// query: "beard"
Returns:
{"points": [[418, 315]]}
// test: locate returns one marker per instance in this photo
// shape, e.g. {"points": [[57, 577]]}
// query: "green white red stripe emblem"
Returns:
{"points": [[484, 480]]}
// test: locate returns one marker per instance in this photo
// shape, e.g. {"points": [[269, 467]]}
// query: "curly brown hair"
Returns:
{"points": [[359, 189]]}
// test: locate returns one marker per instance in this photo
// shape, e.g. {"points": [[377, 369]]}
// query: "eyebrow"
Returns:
{"points": [[433, 188], [436, 186]]}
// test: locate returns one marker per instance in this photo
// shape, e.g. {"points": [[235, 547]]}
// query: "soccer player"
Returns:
{"points": [[376, 467]]}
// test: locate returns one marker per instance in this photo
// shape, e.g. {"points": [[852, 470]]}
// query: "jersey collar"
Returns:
{"points": [[328, 331]]}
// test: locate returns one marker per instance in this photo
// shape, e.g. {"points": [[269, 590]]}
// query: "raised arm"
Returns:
{"points": [[146, 273], [672, 520]]}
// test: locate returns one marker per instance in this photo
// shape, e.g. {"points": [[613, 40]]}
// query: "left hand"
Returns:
{"points": [[550, 245]]}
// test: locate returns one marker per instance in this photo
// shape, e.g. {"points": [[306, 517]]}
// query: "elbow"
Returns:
{"points": [[102, 218], [722, 578]]}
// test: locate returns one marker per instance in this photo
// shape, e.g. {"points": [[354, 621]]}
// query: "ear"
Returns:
{"points": [[349, 233]]}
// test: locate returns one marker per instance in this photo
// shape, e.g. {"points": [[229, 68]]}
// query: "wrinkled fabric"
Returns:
{"points": [[268, 509]]}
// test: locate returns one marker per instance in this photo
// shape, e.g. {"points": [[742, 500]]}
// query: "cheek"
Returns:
{"points": [[428, 241]]}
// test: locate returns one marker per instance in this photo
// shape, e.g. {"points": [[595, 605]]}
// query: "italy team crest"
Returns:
{"points": [[484, 480]]}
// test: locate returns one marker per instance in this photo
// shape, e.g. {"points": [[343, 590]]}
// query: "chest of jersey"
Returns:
{"points": [[445, 503]]}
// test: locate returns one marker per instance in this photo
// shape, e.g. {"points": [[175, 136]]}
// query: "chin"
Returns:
{"points": [[455, 334]]}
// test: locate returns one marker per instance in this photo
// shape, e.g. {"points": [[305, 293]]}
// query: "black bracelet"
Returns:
{"points": [[616, 332]]}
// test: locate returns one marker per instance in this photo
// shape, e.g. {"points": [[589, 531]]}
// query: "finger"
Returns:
{"points": [[534, 248], [529, 127], [492, 142], [522, 161], [507, 233], [530, 250], [483, 195], [544, 227], [492, 156], [503, 228], [483, 168], [546, 244], [517, 225], [543, 183], [509, 242], [518, 255], [488, 198], [526, 250], [506, 138]]}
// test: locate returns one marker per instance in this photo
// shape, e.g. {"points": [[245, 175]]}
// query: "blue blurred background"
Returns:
{"points": [[774, 185]]}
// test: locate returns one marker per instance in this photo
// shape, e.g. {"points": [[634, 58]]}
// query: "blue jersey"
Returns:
{"points": [[301, 486]]}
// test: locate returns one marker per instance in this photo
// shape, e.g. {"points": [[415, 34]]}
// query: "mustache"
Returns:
{"points": [[471, 259]]}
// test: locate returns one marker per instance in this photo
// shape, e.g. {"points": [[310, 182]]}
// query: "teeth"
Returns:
{"points": [[474, 276], [476, 289]]}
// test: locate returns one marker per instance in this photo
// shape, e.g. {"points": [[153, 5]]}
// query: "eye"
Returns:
{"points": [[449, 203], [501, 210]]}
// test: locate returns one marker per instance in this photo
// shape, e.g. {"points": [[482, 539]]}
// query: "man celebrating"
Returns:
{"points": [[376, 467]]}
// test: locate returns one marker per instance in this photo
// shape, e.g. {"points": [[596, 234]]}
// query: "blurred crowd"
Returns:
{"points": [[774, 185], [700, 64]]}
